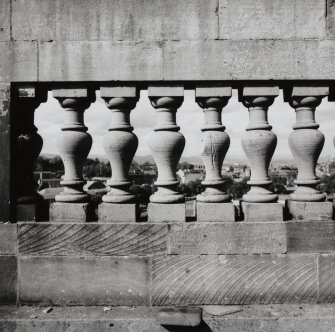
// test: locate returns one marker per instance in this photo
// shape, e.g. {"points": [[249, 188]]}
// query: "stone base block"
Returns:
{"points": [[188, 316], [8, 279], [71, 212], [108, 212], [310, 210], [255, 212], [32, 212], [166, 212], [216, 212], [8, 239]]}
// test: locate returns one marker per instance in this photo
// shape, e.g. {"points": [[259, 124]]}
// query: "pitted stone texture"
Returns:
{"points": [[19, 61], [326, 278], [5, 15], [227, 238], [310, 210], [129, 61], [310, 236], [84, 281], [8, 279], [166, 212], [114, 20], [255, 212], [331, 18], [216, 212], [71, 212], [241, 279], [275, 19], [65, 239], [8, 239], [110, 212]]}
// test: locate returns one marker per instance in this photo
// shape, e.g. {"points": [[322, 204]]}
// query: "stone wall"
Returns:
{"points": [[153, 40]]}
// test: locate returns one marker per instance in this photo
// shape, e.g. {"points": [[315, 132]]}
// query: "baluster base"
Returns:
{"points": [[259, 212], [216, 212], [308, 193], [316, 211], [213, 194], [110, 212], [167, 194], [72, 212], [166, 212], [259, 193]]}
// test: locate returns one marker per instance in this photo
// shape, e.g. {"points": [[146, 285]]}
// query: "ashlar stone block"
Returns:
{"points": [[316, 211], [216, 212], [111, 212], [254, 212], [166, 212], [71, 212]]}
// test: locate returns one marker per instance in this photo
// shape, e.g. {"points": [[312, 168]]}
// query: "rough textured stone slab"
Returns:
{"points": [[310, 210], [92, 239], [18, 61], [255, 212], [227, 238], [188, 316], [8, 239], [101, 61], [8, 279], [242, 279], [220, 212], [84, 281], [327, 278], [275, 19], [331, 18], [166, 212], [71, 212], [5, 20], [249, 60], [310, 236], [5, 161], [114, 20], [108, 212]]}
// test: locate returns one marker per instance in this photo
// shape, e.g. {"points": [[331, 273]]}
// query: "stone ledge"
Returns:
{"points": [[254, 318], [8, 239]]}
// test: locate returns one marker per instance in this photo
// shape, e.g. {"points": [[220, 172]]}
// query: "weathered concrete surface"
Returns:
{"points": [[256, 318], [216, 212], [92, 239], [8, 279], [5, 160], [8, 239], [310, 236], [110, 212], [114, 20], [326, 266], [275, 19], [227, 238], [255, 212], [310, 210], [18, 61], [241, 279], [166, 212], [84, 281], [71, 212], [5, 20]]}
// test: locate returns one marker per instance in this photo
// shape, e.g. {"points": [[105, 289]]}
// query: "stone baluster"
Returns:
{"points": [[167, 145], [259, 144], [74, 144], [212, 203], [120, 145], [306, 143], [27, 147]]}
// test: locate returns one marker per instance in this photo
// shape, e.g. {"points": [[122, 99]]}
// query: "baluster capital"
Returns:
{"points": [[78, 99], [258, 96], [166, 96]]}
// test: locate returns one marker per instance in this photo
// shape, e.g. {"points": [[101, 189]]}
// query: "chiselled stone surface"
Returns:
{"points": [[255, 212], [71, 212], [242, 279], [311, 210], [5, 162], [115, 20], [327, 278], [221, 212], [227, 238], [166, 212], [331, 18], [310, 236], [8, 279], [101, 61], [275, 19], [19, 61], [8, 239], [111, 212], [91, 239], [84, 281], [5, 20]]}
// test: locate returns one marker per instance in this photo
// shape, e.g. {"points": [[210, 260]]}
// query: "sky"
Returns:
{"points": [[49, 118]]}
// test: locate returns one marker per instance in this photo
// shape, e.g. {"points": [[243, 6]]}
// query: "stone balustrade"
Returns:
{"points": [[167, 204]]}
